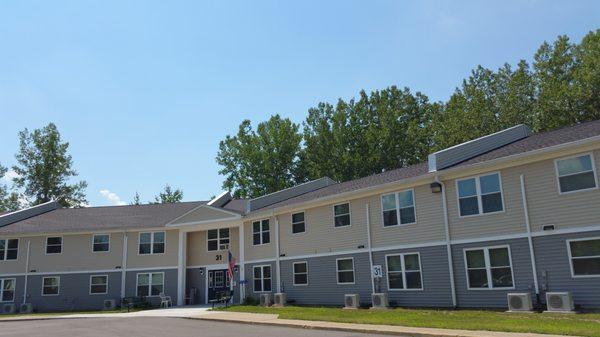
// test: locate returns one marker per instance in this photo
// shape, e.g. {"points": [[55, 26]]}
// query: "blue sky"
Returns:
{"points": [[144, 90]]}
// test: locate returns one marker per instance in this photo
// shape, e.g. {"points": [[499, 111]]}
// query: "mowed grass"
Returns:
{"points": [[558, 324]]}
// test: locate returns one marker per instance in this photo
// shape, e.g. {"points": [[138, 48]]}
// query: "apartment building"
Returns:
{"points": [[509, 212]]}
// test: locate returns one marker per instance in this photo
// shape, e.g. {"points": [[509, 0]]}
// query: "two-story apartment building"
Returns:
{"points": [[509, 212]]}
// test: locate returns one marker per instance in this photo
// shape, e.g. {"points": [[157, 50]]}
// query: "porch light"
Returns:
{"points": [[435, 187]]}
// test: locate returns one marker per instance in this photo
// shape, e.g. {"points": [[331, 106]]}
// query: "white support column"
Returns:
{"points": [[181, 268], [277, 253], [529, 238], [124, 264], [26, 272], [241, 264], [368, 216]]}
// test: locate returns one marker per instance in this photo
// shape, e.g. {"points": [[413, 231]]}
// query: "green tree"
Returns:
{"points": [[262, 161], [136, 199], [44, 169], [168, 195], [9, 201]]}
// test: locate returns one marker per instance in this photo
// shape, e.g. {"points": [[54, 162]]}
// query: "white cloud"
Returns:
{"points": [[112, 198], [10, 174]]}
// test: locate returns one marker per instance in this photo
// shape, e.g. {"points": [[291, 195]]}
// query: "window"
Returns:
{"points": [[585, 257], [98, 284], [217, 239], [152, 243], [9, 249], [345, 271], [50, 285], [298, 224], [300, 273], [404, 271], [101, 243], [7, 289], [480, 195], [576, 173], [262, 279], [398, 208], [341, 215], [150, 284], [54, 245], [485, 264], [260, 232]]}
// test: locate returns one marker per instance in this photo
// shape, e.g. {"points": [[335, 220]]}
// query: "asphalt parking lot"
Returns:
{"points": [[153, 327]]}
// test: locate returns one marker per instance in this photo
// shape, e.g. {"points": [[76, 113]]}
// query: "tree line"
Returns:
{"points": [[395, 127]]}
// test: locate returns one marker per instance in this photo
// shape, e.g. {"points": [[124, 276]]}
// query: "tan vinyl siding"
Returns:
{"points": [[168, 259], [428, 228], [547, 206], [510, 221], [198, 255], [203, 214], [321, 235], [266, 251], [18, 265]]}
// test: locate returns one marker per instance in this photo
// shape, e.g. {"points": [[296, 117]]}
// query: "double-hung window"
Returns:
{"points": [[217, 239], [50, 285], [7, 289], [585, 257], [54, 245], [398, 208], [300, 273], [576, 173], [298, 223], [341, 215], [262, 279], [345, 270], [261, 234], [479, 195], [98, 284], [9, 249], [404, 271], [150, 284], [101, 243], [152, 243], [489, 268]]}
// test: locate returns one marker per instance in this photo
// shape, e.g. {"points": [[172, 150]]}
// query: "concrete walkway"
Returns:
{"points": [[268, 319]]}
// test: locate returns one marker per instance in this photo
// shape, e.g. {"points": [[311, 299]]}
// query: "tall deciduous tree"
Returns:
{"points": [[168, 195], [9, 201], [136, 200], [44, 169], [261, 161]]}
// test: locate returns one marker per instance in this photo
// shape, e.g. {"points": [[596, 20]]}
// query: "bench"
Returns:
{"points": [[133, 302], [221, 297]]}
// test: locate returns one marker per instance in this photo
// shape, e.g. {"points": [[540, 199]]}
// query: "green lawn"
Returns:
{"points": [[576, 325]]}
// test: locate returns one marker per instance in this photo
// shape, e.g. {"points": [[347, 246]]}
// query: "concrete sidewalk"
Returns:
{"points": [[268, 319]]}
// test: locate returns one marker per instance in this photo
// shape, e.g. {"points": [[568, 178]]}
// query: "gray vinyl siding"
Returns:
{"points": [[19, 287], [491, 298], [73, 292], [554, 270], [196, 278], [249, 276], [435, 279], [170, 284], [322, 285]]}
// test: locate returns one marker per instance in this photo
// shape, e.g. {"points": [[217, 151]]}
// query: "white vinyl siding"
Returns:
{"points": [[150, 284], [217, 239], [9, 249], [261, 232], [398, 208], [480, 195], [489, 268], [7, 289], [262, 279], [584, 256], [404, 271], [576, 173], [345, 270], [151, 243]]}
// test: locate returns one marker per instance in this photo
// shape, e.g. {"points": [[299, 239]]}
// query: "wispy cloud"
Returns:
{"points": [[113, 198]]}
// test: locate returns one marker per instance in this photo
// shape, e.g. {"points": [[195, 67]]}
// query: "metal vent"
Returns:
{"points": [[556, 301], [376, 301], [349, 301], [516, 302]]}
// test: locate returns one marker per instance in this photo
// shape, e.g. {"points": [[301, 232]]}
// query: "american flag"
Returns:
{"points": [[230, 265]]}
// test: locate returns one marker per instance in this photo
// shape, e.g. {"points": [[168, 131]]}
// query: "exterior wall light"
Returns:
{"points": [[436, 187]]}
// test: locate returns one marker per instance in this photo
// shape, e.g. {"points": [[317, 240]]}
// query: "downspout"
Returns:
{"points": [[242, 272], [530, 239], [448, 245], [124, 264], [369, 246], [26, 272], [277, 253]]}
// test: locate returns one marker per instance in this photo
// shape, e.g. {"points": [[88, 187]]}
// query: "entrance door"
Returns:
{"points": [[218, 282]]}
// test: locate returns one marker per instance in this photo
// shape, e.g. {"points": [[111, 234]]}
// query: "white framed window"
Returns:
{"points": [[9, 249], [584, 256], [480, 195], [262, 279], [217, 239], [404, 271], [398, 208], [98, 284], [54, 245], [50, 286], [150, 284], [100, 243], [577, 173], [345, 270], [261, 233], [341, 215], [489, 268], [7, 289], [298, 223], [151, 243], [300, 270]]}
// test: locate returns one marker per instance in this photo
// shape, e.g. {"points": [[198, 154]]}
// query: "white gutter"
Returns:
{"points": [[448, 244], [529, 236], [277, 253], [369, 247], [26, 272], [124, 265]]}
